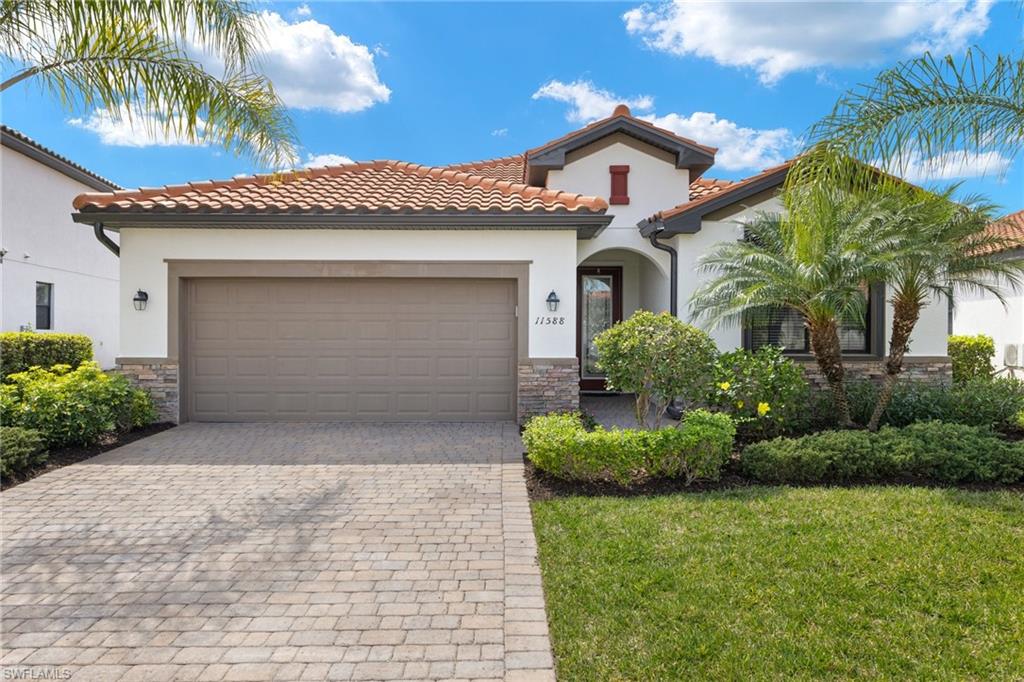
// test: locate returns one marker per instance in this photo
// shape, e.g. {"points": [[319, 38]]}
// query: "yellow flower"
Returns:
{"points": [[763, 409], [739, 404], [724, 385]]}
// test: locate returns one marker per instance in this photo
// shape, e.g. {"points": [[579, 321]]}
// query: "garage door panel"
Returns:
{"points": [[341, 349]]}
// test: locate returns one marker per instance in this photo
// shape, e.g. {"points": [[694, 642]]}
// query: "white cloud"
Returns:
{"points": [[588, 101], [738, 147], [312, 67], [778, 38], [499, 132], [302, 10], [124, 127], [318, 160], [952, 166]]}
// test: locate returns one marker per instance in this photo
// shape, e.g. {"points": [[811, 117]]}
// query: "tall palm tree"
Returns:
{"points": [[943, 249], [815, 261], [132, 58]]}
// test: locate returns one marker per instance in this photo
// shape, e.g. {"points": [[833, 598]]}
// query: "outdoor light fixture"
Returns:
{"points": [[553, 301], [140, 300]]}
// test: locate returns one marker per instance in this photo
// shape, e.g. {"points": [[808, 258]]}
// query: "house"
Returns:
{"points": [[386, 290], [56, 276], [982, 313]]}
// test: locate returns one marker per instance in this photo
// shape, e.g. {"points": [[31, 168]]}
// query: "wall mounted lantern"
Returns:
{"points": [[553, 301], [140, 300]]}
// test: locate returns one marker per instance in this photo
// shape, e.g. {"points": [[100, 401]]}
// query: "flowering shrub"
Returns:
{"points": [[696, 449], [764, 391]]}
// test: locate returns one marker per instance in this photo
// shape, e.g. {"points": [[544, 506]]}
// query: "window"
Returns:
{"points": [[44, 305], [785, 327]]}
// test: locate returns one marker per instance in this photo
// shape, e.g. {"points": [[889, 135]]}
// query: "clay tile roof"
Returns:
{"points": [[621, 111], [1010, 228], [511, 168], [378, 187], [702, 187], [721, 188]]}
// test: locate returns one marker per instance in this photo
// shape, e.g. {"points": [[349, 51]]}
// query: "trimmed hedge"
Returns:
{"points": [[695, 450], [990, 402], [20, 351], [20, 449], [73, 406], [971, 357], [937, 451]]}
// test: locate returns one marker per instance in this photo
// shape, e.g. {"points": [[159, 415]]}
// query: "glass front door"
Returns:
{"points": [[600, 306]]}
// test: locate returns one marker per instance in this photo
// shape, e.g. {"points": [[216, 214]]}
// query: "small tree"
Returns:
{"points": [[660, 359]]}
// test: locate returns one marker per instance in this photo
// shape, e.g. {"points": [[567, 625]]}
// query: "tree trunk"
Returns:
{"points": [[828, 353], [904, 318]]}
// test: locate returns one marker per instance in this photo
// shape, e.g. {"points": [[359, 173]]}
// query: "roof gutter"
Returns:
{"points": [[673, 277], [97, 229]]}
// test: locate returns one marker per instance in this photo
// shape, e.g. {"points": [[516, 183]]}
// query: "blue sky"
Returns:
{"points": [[440, 83]]}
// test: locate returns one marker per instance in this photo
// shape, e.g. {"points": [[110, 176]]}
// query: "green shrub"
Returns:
{"points": [[971, 356], [139, 410], [993, 402], [20, 449], [764, 391], [659, 359], [68, 406], [949, 453], [695, 450], [21, 350]]}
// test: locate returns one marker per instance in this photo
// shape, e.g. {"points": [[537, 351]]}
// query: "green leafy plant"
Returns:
{"points": [[764, 391], [938, 451], [992, 402], [20, 450], [139, 410], [971, 356], [659, 359], [68, 406], [22, 350], [695, 450]]}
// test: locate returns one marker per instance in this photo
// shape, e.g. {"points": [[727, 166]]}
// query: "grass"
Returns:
{"points": [[794, 583]]}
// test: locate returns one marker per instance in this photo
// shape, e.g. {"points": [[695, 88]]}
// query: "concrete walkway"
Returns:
{"points": [[279, 551]]}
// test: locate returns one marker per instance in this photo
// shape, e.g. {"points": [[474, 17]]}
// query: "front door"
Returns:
{"points": [[599, 297]]}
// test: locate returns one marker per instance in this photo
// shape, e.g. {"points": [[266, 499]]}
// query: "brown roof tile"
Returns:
{"points": [[368, 187], [512, 168], [1011, 229], [722, 188]]}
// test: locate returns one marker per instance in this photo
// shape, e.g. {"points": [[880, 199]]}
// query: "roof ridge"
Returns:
{"points": [[6, 130]]}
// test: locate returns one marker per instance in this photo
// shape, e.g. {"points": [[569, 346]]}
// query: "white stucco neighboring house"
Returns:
{"points": [[983, 313], [385, 290], [56, 277]]}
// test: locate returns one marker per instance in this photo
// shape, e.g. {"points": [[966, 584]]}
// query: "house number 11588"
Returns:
{"points": [[550, 320]]}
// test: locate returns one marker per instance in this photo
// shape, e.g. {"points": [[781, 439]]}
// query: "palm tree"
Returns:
{"points": [[922, 111], [131, 57], [816, 261], [944, 248]]}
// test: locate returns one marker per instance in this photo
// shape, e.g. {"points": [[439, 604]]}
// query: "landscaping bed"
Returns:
{"points": [[776, 582], [63, 457]]}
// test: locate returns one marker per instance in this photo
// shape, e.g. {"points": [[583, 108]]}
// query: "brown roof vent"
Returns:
{"points": [[621, 110]]}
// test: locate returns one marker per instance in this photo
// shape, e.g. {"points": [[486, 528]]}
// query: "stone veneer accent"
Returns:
{"points": [[930, 369], [548, 385], [157, 377]]}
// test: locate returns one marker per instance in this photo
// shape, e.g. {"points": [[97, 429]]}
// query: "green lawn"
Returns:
{"points": [[775, 582]]}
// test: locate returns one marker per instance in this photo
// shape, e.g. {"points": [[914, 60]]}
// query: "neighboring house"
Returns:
{"points": [[983, 313], [56, 276], [391, 291]]}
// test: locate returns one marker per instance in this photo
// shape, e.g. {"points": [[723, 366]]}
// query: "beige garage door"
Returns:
{"points": [[351, 349]]}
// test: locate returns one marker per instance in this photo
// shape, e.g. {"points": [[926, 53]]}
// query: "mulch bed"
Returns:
{"points": [[543, 486], [72, 455]]}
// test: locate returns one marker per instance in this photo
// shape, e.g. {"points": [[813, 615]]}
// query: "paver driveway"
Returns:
{"points": [[279, 551]]}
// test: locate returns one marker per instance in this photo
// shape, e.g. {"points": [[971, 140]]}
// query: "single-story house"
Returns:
{"points": [[55, 276], [982, 313], [387, 290]]}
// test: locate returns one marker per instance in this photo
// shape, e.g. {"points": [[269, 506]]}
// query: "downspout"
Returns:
{"points": [[97, 229], [673, 277], [672, 410]]}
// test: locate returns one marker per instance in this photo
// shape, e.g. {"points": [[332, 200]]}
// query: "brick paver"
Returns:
{"points": [[279, 551]]}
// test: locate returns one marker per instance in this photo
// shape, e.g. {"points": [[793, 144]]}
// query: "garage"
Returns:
{"points": [[350, 349]]}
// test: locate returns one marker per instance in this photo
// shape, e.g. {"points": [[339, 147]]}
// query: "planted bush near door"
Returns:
{"points": [[21, 350], [695, 450], [72, 406]]}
